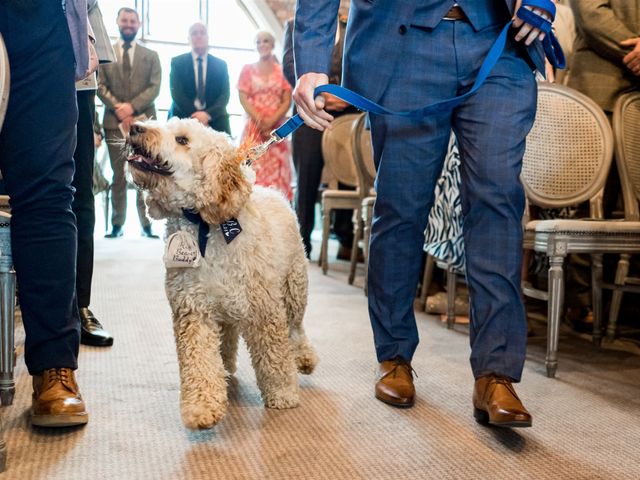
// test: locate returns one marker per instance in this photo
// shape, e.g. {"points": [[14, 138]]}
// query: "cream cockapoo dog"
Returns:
{"points": [[254, 286]]}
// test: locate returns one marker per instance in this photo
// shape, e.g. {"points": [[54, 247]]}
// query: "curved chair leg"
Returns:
{"points": [[554, 309], [451, 297], [596, 297], [357, 233], [7, 331], [3, 450], [324, 254], [616, 299]]}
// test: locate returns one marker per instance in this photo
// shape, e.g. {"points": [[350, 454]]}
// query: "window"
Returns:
{"points": [[232, 28], [169, 20]]}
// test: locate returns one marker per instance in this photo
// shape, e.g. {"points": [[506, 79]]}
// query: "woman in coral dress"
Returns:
{"points": [[265, 95]]}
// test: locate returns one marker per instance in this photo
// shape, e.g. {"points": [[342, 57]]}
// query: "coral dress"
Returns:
{"points": [[273, 169]]}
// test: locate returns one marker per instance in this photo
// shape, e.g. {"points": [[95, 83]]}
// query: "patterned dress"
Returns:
{"points": [[443, 236], [273, 169]]}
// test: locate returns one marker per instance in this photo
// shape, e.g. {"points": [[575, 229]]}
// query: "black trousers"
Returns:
{"points": [[308, 162], [83, 201], [36, 158]]}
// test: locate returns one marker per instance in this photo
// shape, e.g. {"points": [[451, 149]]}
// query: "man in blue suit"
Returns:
{"points": [[200, 83], [409, 54]]}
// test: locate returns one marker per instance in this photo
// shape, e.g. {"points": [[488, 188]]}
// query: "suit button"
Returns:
{"points": [[402, 30]]}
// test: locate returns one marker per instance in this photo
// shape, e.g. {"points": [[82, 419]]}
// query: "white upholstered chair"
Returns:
{"points": [[567, 159], [626, 131], [7, 275]]}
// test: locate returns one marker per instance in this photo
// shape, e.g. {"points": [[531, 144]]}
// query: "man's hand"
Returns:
{"points": [[312, 109], [123, 110], [333, 103], [632, 59], [528, 32], [202, 117], [93, 60], [127, 122]]}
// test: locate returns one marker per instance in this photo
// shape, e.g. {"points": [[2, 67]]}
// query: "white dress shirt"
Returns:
{"points": [[120, 48]]}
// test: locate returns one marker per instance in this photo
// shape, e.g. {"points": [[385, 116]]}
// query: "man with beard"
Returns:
{"points": [[128, 89]]}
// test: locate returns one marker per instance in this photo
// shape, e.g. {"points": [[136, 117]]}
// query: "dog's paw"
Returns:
{"points": [[306, 360], [199, 417], [288, 398]]}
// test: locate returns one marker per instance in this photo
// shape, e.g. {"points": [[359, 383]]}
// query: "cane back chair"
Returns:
{"points": [[567, 160], [338, 159]]}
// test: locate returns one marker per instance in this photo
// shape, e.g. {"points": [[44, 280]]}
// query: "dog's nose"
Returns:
{"points": [[136, 129]]}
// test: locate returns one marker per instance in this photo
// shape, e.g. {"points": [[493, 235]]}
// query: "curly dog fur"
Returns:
{"points": [[255, 286]]}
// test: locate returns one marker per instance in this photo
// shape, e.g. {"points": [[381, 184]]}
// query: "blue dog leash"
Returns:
{"points": [[552, 50]]}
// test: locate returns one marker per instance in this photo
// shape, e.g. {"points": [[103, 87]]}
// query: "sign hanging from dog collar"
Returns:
{"points": [[181, 251], [230, 230]]}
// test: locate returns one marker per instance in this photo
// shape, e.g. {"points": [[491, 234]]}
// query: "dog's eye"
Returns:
{"points": [[182, 140]]}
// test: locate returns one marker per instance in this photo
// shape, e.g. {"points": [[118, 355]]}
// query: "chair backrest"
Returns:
{"points": [[363, 154], [626, 131], [569, 151], [337, 150], [4, 81]]}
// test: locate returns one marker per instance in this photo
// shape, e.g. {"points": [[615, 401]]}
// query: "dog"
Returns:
{"points": [[254, 285]]}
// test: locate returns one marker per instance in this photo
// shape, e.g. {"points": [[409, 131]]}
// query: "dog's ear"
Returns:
{"points": [[224, 187]]}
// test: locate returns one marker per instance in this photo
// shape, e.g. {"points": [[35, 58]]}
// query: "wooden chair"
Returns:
{"points": [[626, 118], [366, 171], [567, 159], [338, 159], [7, 276]]}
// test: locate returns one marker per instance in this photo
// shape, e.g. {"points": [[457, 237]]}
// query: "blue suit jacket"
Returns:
{"points": [[373, 45], [182, 82]]}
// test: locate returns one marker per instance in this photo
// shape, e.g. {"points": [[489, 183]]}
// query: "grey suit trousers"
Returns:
{"points": [[119, 183]]}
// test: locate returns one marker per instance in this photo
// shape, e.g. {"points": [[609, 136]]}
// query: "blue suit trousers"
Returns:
{"points": [[491, 127], [36, 157]]}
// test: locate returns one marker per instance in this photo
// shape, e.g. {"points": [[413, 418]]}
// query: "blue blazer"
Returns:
{"points": [[182, 82], [375, 34]]}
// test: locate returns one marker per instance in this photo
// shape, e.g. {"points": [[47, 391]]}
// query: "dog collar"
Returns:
{"points": [[230, 229]]}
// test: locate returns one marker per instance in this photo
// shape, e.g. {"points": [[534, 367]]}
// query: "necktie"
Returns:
{"points": [[200, 86], [126, 68]]}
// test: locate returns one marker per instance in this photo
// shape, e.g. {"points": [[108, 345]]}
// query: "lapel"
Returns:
{"points": [[191, 75], [211, 77]]}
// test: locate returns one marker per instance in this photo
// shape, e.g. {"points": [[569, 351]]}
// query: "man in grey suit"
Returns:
{"points": [[92, 332], [128, 89], [410, 54]]}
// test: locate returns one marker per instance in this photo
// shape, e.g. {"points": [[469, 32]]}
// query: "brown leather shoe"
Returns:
{"points": [[56, 400], [495, 402], [394, 384]]}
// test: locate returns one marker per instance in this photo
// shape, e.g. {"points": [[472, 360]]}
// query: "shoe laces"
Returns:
{"points": [[399, 362], [58, 374], [90, 317], [507, 382]]}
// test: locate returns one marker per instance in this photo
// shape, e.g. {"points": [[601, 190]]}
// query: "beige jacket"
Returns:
{"points": [[144, 85], [597, 69]]}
